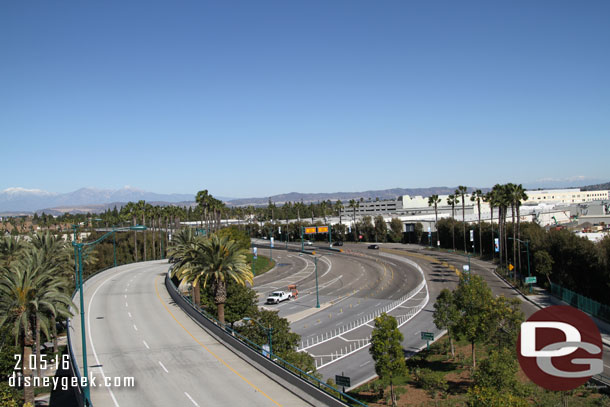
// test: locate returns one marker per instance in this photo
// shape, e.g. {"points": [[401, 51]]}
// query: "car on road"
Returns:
{"points": [[374, 246], [278, 296], [308, 243], [338, 243]]}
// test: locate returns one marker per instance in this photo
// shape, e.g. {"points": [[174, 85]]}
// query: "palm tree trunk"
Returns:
{"points": [[512, 209], [135, 242], [480, 228], [54, 330], [37, 347], [464, 224], [144, 234], [28, 391], [519, 236], [220, 297], [154, 251]]}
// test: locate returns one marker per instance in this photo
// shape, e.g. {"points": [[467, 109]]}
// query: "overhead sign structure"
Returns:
{"points": [[322, 229], [309, 231]]}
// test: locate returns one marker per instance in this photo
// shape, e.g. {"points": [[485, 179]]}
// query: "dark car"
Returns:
{"points": [[338, 243], [374, 246]]}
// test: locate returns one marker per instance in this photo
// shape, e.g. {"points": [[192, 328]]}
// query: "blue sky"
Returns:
{"points": [[256, 98]]}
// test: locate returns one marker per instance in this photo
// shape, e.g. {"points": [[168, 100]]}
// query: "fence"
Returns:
{"points": [[581, 302]]}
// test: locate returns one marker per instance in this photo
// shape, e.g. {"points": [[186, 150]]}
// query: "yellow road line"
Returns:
{"points": [[423, 257], [209, 351]]}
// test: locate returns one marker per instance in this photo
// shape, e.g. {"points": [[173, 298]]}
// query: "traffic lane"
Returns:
{"points": [[194, 368], [286, 264], [499, 287]]}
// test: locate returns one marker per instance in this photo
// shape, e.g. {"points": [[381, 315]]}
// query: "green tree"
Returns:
{"points": [[543, 264], [387, 352], [241, 301], [446, 315], [381, 229], [283, 340], [396, 229], [473, 299], [214, 261], [236, 234], [498, 371]]}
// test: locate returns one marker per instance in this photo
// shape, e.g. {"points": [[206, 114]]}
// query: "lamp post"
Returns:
{"points": [[315, 261], [78, 267], [527, 248], [268, 330]]}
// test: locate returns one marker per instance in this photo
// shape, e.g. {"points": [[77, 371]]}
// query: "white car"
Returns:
{"points": [[307, 243], [278, 296]]}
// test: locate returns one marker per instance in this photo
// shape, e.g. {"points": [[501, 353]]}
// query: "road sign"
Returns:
{"points": [[309, 231], [427, 336], [322, 229], [530, 280], [272, 241], [497, 245], [466, 267], [266, 350], [510, 267], [472, 235], [342, 381], [255, 252]]}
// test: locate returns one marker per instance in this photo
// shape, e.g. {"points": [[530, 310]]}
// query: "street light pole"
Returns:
{"points": [[315, 260], [78, 268]]}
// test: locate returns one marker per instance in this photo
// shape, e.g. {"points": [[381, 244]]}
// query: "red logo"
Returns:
{"points": [[560, 348]]}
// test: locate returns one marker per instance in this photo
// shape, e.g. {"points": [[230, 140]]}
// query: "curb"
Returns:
{"points": [[604, 340]]}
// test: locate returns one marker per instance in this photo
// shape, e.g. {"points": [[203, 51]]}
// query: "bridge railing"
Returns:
{"points": [[317, 390]]}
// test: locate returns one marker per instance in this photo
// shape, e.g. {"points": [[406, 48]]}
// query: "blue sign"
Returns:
{"points": [[255, 251], [497, 245]]}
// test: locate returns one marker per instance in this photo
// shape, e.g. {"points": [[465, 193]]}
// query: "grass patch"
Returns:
{"points": [[262, 264]]}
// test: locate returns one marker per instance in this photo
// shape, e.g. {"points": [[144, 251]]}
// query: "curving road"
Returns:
{"points": [[135, 330]]}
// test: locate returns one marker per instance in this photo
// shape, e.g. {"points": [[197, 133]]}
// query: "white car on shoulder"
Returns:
{"points": [[278, 296]]}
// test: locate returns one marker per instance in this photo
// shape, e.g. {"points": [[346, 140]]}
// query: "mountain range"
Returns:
{"points": [[30, 200], [21, 201]]}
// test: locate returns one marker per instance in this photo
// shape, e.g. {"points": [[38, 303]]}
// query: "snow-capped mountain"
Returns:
{"points": [[22, 199]]}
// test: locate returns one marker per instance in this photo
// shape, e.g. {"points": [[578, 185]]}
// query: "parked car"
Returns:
{"points": [[338, 243], [278, 296], [374, 246]]}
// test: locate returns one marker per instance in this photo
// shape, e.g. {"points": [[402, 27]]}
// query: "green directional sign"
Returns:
{"points": [[342, 381], [427, 336], [530, 280]]}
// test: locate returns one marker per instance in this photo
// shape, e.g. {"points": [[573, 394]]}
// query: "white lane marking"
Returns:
{"points": [[365, 363], [135, 327], [190, 398], [97, 359], [163, 367], [127, 305], [145, 344], [125, 296], [129, 313]]}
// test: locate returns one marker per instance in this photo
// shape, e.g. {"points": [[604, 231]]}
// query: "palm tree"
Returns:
{"points": [[453, 200], [511, 193], [339, 207], [214, 261], [519, 195], [131, 209], [11, 248], [489, 198], [435, 200], [477, 195], [461, 190], [29, 290]]}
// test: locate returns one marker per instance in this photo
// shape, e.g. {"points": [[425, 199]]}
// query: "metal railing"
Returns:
{"points": [[581, 302], [330, 391]]}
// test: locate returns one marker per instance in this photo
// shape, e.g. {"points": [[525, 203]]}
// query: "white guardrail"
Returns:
{"points": [[350, 326]]}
